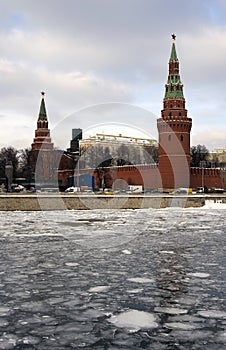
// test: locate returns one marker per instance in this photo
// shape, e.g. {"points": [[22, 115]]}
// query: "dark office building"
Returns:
{"points": [[76, 136]]}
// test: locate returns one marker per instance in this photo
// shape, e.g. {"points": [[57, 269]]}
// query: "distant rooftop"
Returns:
{"points": [[219, 150], [120, 138]]}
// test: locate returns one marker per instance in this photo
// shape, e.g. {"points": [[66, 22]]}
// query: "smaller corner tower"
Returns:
{"points": [[42, 155], [174, 128]]}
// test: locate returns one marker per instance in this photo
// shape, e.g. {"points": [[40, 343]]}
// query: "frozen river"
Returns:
{"points": [[113, 279]]}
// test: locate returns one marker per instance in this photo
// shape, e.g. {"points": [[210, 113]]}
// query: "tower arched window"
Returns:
{"points": [[169, 137], [181, 137], [179, 114], [170, 115]]}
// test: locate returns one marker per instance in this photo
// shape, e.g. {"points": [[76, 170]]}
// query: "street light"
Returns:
{"points": [[202, 164], [76, 165]]}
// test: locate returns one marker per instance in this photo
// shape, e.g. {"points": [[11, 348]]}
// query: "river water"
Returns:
{"points": [[113, 279]]}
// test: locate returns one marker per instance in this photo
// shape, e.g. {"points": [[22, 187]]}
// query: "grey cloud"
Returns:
{"points": [[101, 17], [92, 51]]}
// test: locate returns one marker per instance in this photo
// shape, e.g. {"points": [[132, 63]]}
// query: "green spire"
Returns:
{"points": [[174, 86], [42, 111], [173, 56]]}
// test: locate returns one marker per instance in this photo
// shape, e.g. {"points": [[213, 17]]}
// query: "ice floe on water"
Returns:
{"points": [[141, 280], [171, 310], [212, 314], [3, 323], [99, 289], [134, 291], [199, 274], [4, 311], [126, 251], [167, 252], [30, 340], [183, 326], [71, 263], [134, 320], [8, 341]]}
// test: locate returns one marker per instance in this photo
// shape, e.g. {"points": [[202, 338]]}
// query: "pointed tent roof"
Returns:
{"points": [[173, 56], [42, 111], [174, 87]]}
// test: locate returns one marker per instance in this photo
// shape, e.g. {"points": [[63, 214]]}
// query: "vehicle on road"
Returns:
{"points": [[72, 189], [108, 191], [17, 188]]}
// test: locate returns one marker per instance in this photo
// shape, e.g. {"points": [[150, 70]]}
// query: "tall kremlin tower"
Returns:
{"points": [[174, 129]]}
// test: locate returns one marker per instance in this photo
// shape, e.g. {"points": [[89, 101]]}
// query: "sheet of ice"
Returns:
{"points": [[3, 323], [134, 291], [199, 274], [134, 320], [167, 252], [4, 311], [126, 251], [141, 280], [30, 340], [212, 314], [171, 310], [8, 341], [184, 326], [71, 263], [98, 289]]}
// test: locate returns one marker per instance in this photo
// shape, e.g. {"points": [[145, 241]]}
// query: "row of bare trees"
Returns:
{"points": [[200, 157]]}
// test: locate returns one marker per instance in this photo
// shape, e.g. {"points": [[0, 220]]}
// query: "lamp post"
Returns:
{"points": [[9, 174], [222, 172], [202, 164], [76, 162], [78, 182]]}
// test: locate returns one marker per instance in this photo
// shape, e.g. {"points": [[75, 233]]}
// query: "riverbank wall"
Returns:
{"points": [[33, 202]]}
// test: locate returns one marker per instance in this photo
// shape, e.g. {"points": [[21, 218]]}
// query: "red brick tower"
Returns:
{"points": [[174, 131], [42, 153], [42, 138]]}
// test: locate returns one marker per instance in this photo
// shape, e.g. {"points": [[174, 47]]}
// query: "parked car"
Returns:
{"points": [[72, 189], [219, 190], [181, 190], [108, 191], [200, 190], [17, 188]]}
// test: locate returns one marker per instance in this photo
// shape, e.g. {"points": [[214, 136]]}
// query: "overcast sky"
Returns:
{"points": [[83, 53]]}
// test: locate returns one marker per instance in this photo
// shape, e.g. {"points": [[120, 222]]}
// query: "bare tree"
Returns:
{"points": [[24, 164], [200, 156], [9, 155]]}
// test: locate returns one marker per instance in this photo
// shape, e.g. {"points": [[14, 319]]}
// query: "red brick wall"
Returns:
{"points": [[120, 177], [208, 177], [148, 176]]}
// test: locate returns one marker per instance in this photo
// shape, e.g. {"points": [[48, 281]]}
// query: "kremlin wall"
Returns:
{"points": [[172, 170]]}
